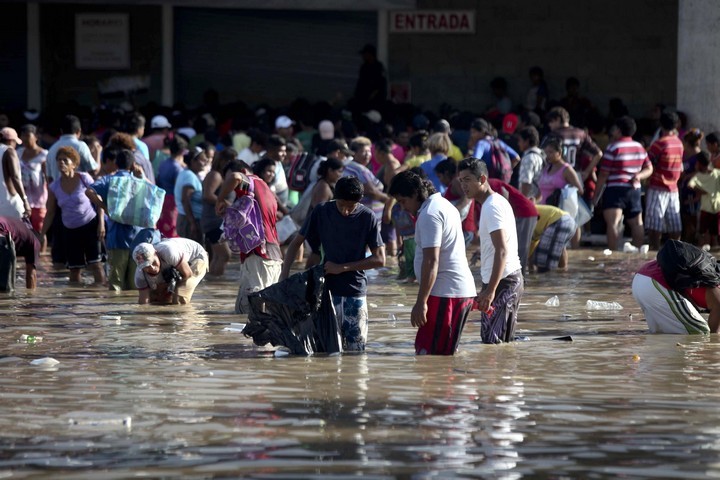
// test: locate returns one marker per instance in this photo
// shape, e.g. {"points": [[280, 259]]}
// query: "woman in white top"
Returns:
{"points": [[32, 171]]}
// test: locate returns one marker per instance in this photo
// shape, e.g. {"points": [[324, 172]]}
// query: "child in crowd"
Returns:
{"points": [[706, 182]]}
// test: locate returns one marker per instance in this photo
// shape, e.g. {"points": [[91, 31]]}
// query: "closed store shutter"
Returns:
{"points": [[268, 56], [13, 61]]}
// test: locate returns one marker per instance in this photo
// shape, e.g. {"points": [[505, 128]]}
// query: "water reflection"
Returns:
{"points": [[204, 401]]}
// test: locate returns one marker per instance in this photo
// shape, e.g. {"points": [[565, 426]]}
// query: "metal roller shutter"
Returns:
{"points": [[268, 56]]}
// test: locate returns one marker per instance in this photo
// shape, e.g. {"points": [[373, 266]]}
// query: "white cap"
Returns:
{"points": [[283, 121], [327, 130], [159, 121], [143, 255]]}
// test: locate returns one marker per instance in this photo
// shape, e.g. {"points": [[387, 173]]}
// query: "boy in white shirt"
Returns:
{"points": [[500, 268]]}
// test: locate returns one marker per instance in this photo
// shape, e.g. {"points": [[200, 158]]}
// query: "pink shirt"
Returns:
{"points": [[549, 182]]}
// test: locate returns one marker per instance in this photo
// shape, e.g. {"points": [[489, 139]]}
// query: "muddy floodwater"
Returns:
{"points": [[178, 392]]}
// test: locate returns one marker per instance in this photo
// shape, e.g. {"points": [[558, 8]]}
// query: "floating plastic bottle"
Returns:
{"points": [[392, 320], [102, 422], [30, 339], [596, 305], [553, 301]]}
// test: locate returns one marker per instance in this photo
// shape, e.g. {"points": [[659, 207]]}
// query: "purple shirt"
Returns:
{"points": [[76, 207]]}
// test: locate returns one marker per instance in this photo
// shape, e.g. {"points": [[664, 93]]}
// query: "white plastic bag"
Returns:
{"points": [[286, 227]]}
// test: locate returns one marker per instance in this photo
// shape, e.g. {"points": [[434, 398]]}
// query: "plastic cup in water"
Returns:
{"points": [[392, 320]]}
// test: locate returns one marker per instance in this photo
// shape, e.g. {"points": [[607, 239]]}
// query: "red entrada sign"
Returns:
{"points": [[432, 21]]}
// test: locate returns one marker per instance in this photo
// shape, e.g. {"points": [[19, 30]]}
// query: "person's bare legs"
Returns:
{"points": [[612, 220], [654, 239], [637, 230], [220, 258], [75, 275], [98, 273], [563, 263], [575, 241]]}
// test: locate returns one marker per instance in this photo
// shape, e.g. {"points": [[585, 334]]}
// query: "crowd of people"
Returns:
{"points": [[346, 187]]}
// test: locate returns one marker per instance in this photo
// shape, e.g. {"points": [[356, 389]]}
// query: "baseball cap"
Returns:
{"points": [[160, 121], [338, 145], [143, 255], [374, 116], [8, 133], [481, 125], [283, 121], [327, 130], [509, 123]]}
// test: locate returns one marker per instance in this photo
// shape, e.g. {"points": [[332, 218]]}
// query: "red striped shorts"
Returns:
{"points": [[446, 319]]}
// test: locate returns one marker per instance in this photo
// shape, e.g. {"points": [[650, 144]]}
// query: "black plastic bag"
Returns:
{"points": [[296, 313], [686, 266]]}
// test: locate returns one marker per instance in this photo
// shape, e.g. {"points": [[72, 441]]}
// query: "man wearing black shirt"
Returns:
{"points": [[344, 229]]}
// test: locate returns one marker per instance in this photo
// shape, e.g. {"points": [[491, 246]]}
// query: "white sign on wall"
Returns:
{"points": [[432, 21], [102, 41]]}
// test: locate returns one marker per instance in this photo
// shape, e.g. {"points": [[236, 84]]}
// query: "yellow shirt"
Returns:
{"points": [[455, 153], [710, 182], [416, 160], [547, 215]]}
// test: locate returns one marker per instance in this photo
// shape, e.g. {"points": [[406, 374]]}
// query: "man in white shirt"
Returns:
{"points": [[256, 150], [447, 288], [169, 271], [500, 267]]}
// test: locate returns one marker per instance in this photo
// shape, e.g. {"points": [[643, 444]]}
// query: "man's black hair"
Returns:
{"points": [[411, 185], [349, 188], [275, 142], [669, 121], [446, 167], [474, 165], [530, 135], [70, 124], [626, 125]]}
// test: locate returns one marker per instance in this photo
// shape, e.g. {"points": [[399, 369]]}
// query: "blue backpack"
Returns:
{"points": [[243, 227]]}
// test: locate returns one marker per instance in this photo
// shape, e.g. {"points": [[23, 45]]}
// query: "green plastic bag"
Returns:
{"points": [[134, 201]]}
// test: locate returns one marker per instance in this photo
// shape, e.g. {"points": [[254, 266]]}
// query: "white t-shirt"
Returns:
{"points": [[170, 252], [497, 214], [248, 156], [439, 225]]}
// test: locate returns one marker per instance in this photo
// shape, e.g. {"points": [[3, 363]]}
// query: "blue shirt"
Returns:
{"points": [[429, 169], [483, 150], [343, 239], [167, 174], [188, 178], [119, 235]]}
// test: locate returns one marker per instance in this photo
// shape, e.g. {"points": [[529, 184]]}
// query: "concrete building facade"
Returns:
{"points": [[642, 51]]}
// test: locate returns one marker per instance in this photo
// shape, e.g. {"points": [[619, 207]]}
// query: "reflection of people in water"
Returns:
{"points": [[671, 290]]}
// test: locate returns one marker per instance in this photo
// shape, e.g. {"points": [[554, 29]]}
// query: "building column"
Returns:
{"points": [[168, 50], [382, 38], [34, 73], [698, 64]]}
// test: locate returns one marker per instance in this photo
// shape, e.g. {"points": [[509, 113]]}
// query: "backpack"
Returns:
{"points": [[300, 169], [243, 228], [500, 165], [686, 266]]}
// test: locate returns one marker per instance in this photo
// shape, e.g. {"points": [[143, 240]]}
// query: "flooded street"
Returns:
{"points": [[170, 392]]}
